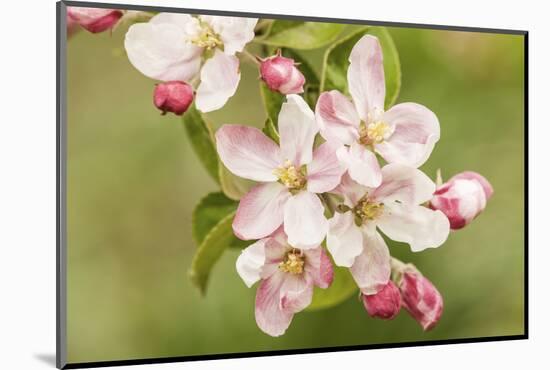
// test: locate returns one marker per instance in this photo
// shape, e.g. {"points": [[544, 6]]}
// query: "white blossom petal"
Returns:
{"points": [[304, 220], [220, 77], [344, 239], [250, 262], [405, 184]]}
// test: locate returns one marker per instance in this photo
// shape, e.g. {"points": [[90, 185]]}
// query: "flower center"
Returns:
{"points": [[207, 38], [367, 210], [373, 133], [292, 177], [293, 262]]}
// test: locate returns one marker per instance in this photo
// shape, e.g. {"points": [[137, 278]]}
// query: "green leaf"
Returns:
{"points": [[301, 35], [202, 140], [233, 187], [311, 87], [212, 231], [342, 288], [272, 102], [335, 64], [270, 130]]}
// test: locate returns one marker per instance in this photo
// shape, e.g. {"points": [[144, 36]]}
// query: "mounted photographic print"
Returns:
{"points": [[236, 184]]}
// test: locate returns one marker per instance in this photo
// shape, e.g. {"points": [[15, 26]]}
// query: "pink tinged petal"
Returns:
{"points": [[366, 81], [296, 292], [235, 32], [251, 261], [421, 299], [319, 267], [275, 249], [344, 239], [94, 20], [337, 118], [470, 175], [294, 84], [304, 220], [260, 211], [247, 152], [371, 269], [415, 132], [404, 184], [385, 304], [160, 51], [324, 172], [350, 190], [418, 226], [220, 77], [297, 129], [271, 318], [462, 198], [362, 164]]}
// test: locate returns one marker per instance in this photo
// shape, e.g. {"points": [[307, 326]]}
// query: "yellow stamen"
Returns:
{"points": [[373, 133], [207, 38], [293, 262], [290, 176], [367, 210]]}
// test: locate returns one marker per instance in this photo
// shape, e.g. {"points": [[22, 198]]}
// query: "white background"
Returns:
{"points": [[27, 181]]}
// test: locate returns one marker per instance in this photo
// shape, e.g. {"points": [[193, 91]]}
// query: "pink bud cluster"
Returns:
{"points": [[462, 198], [93, 19], [280, 74], [415, 293]]}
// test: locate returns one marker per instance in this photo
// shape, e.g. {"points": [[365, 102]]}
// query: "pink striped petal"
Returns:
{"points": [[404, 184], [362, 164], [247, 152], [297, 129], [366, 81], [270, 316], [220, 76], [418, 226], [260, 211], [344, 239], [416, 130], [304, 220], [296, 292], [319, 267], [337, 118], [324, 171], [470, 175], [371, 269]]}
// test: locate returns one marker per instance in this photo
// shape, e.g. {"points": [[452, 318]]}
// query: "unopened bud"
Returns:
{"points": [[173, 96], [93, 19], [280, 74], [421, 299], [385, 304], [462, 198]]}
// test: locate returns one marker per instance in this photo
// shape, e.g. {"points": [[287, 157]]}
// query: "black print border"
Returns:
{"points": [[61, 261]]}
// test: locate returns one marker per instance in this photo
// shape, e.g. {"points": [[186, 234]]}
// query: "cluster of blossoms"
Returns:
{"points": [[322, 197], [337, 192]]}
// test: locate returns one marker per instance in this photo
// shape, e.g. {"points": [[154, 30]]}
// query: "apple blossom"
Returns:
{"points": [[94, 20], [462, 198], [173, 96], [421, 299], [287, 276], [405, 134], [280, 74], [394, 208], [290, 176], [385, 304], [173, 47]]}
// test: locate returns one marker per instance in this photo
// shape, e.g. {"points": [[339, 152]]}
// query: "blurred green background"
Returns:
{"points": [[133, 181]]}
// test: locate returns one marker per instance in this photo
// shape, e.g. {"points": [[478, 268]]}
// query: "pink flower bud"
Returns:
{"points": [[462, 198], [385, 304], [93, 19], [173, 96], [280, 74], [421, 299]]}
